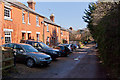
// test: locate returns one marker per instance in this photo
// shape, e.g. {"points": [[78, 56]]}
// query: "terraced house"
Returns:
{"points": [[18, 21], [64, 36]]}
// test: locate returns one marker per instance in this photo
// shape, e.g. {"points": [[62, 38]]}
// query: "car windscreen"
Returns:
{"points": [[29, 48], [62, 47], [44, 45]]}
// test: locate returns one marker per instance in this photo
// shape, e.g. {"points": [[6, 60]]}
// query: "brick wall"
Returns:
{"points": [[19, 27], [20, 30]]}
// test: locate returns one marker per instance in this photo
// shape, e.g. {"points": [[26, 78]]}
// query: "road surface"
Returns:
{"points": [[82, 63]]}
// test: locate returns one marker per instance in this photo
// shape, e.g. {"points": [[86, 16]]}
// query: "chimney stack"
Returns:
{"points": [[71, 28], [31, 4], [52, 17]]}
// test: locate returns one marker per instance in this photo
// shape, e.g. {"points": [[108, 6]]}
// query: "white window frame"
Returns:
{"points": [[29, 32], [38, 33], [38, 37], [9, 9], [23, 17], [37, 20], [9, 36], [48, 39], [8, 30], [29, 18], [47, 28], [57, 30]]}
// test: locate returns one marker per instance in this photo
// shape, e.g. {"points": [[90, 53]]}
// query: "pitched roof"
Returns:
{"points": [[50, 22], [63, 29], [21, 5]]}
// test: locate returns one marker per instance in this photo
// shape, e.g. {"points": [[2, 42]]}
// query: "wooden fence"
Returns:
{"points": [[7, 58]]}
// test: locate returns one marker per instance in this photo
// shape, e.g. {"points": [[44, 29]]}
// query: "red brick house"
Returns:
{"points": [[51, 31], [17, 21], [64, 36], [20, 22]]}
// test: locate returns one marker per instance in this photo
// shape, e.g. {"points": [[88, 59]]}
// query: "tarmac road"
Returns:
{"points": [[82, 63]]}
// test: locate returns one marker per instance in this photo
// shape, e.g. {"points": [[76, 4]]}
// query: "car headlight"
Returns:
{"points": [[41, 58], [54, 52]]}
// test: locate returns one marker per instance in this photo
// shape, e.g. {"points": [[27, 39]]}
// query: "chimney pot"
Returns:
{"points": [[31, 4], [52, 17]]}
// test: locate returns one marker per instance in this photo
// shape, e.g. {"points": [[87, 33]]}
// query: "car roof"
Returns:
{"points": [[32, 41], [17, 43], [61, 45]]}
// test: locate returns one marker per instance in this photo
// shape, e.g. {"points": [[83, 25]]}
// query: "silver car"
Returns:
{"points": [[30, 55]]}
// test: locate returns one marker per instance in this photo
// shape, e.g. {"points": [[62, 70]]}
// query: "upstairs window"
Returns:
{"points": [[37, 20], [57, 30], [7, 12], [28, 18], [47, 28], [23, 17], [61, 33]]}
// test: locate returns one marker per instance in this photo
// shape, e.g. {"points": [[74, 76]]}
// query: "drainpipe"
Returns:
{"points": [[43, 32]]}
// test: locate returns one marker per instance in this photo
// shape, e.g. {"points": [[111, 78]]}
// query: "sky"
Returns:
{"points": [[67, 14]]}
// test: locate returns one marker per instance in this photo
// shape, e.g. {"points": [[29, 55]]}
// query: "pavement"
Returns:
{"points": [[82, 63]]}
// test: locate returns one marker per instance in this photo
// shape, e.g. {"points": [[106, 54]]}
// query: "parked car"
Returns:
{"points": [[54, 53], [73, 47], [68, 46], [30, 55], [63, 50], [76, 46]]}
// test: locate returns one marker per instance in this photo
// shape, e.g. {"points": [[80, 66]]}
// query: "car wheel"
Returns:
{"points": [[66, 55], [54, 59], [30, 62]]}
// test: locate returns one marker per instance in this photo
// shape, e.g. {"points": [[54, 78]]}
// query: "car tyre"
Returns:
{"points": [[66, 55], [54, 59], [30, 62]]}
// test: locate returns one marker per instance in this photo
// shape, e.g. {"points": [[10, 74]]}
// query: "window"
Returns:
{"points": [[7, 12], [23, 36], [61, 33], [37, 37], [8, 37], [47, 41], [18, 47], [57, 39], [57, 29], [29, 35], [37, 20], [47, 28], [28, 18], [23, 17]]}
